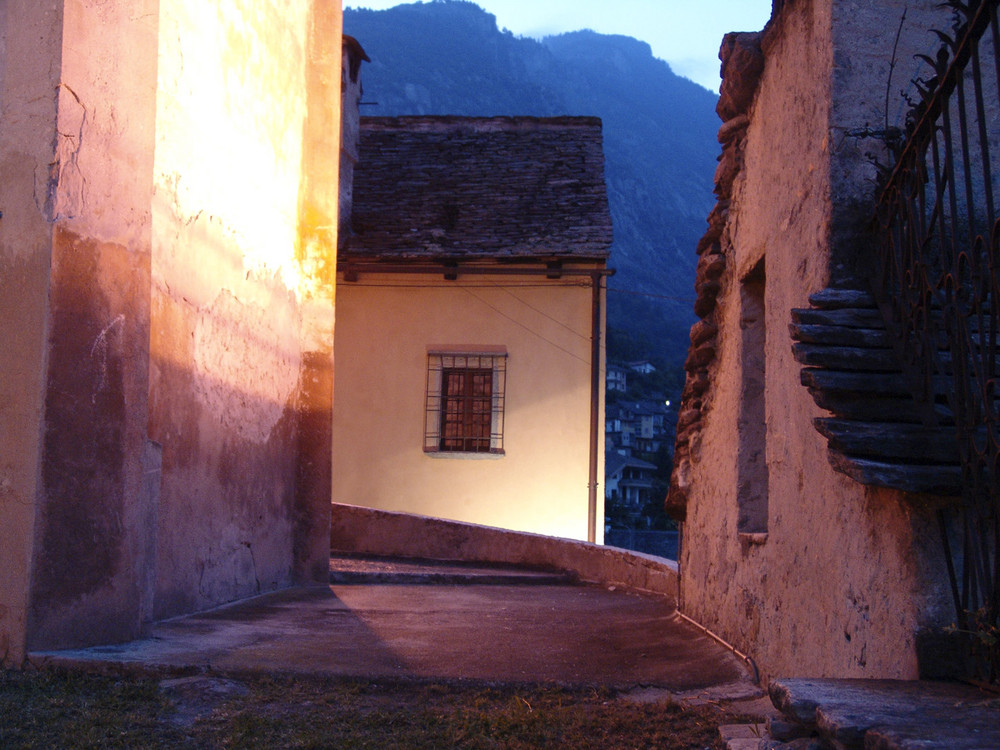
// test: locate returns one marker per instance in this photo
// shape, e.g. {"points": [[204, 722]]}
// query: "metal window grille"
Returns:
{"points": [[465, 402]]}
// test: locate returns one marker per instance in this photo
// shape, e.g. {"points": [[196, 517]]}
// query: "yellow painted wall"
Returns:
{"points": [[385, 324]]}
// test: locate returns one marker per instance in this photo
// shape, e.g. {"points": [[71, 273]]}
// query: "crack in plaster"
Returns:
{"points": [[99, 349], [253, 562], [67, 186]]}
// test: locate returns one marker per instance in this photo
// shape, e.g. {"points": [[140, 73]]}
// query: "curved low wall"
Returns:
{"points": [[364, 531]]}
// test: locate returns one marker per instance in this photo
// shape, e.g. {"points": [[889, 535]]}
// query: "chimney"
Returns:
{"points": [[350, 128]]}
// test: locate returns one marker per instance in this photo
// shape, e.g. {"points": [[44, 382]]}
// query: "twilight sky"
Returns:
{"points": [[685, 33]]}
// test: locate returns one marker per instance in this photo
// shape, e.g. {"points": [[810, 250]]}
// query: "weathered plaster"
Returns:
{"points": [[222, 357], [830, 590], [91, 541], [245, 211], [91, 547], [316, 252], [152, 444], [30, 35]]}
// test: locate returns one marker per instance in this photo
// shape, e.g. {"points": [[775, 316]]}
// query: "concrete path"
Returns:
{"points": [[466, 628]]}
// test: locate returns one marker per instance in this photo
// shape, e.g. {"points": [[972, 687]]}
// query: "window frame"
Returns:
{"points": [[464, 407]]}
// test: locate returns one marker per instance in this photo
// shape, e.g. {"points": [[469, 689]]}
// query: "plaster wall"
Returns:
{"points": [[384, 328], [91, 539], [195, 146], [30, 52], [244, 228], [842, 576]]}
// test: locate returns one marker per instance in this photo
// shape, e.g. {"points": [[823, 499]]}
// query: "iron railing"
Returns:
{"points": [[939, 290]]}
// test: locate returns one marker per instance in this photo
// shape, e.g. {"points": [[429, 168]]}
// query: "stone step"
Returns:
{"points": [[891, 714], [851, 317], [879, 434], [871, 408], [350, 570], [850, 358], [891, 440], [859, 383], [931, 479], [836, 299], [869, 338], [763, 737]]}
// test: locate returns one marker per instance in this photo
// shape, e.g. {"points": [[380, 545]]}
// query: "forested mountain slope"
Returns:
{"points": [[449, 57]]}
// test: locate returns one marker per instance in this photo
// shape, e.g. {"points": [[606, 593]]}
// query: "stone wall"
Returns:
{"points": [[366, 531], [806, 570], [169, 201]]}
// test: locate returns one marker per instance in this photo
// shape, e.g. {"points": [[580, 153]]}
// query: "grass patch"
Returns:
{"points": [[60, 708], [57, 708]]}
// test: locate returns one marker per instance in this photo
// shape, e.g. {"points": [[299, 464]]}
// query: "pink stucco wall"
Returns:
{"points": [[839, 578], [169, 192]]}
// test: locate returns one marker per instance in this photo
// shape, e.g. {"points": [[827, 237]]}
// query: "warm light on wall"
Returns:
{"points": [[229, 127]]}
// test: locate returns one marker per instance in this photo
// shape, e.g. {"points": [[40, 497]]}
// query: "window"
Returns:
{"points": [[465, 401], [752, 487]]}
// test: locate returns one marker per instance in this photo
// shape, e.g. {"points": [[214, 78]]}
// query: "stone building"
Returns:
{"points": [[168, 189], [816, 558]]}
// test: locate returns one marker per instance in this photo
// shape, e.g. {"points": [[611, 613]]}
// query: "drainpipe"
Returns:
{"points": [[595, 404], [718, 639]]}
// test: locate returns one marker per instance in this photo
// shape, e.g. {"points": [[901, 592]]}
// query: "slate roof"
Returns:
{"points": [[615, 463], [447, 187]]}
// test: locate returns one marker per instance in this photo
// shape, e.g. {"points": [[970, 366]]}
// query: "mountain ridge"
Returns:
{"points": [[450, 58]]}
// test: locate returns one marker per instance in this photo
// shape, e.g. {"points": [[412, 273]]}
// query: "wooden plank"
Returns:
{"points": [[867, 407], [869, 338], [891, 440], [945, 481], [846, 358], [836, 299], [849, 317]]}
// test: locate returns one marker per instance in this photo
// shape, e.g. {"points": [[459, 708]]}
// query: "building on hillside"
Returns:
{"points": [[637, 426], [642, 366], [617, 377], [470, 316], [618, 430], [628, 482], [814, 487], [167, 310]]}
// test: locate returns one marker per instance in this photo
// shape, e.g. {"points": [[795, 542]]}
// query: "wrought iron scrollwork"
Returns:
{"points": [[939, 290]]}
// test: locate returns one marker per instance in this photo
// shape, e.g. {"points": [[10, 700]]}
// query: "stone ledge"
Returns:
{"points": [[365, 531], [892, 714]]}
